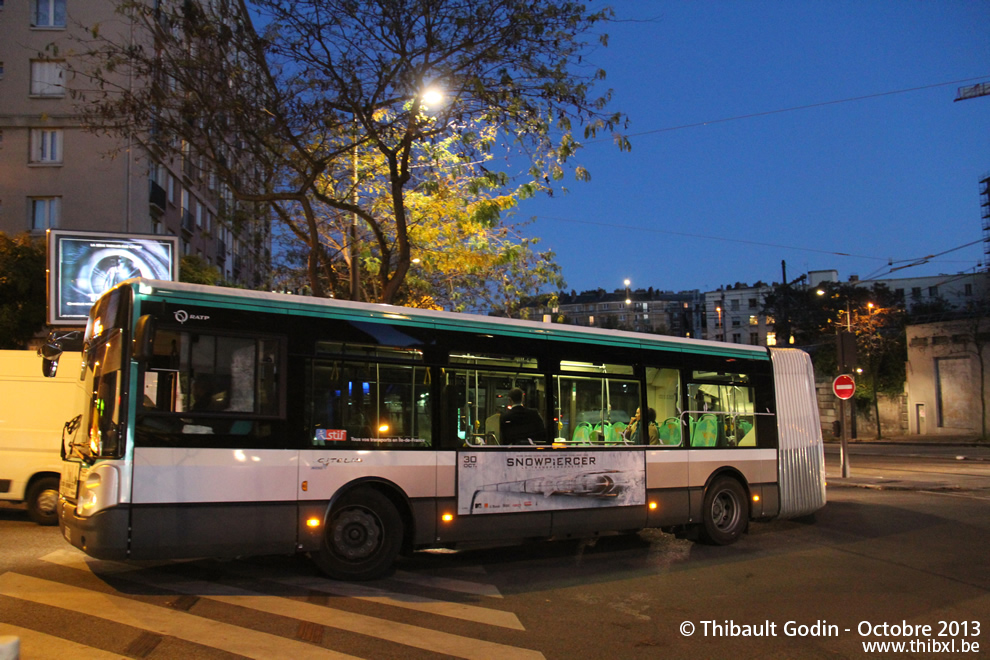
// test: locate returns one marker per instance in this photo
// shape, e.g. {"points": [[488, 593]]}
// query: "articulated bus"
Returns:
{"points": [[225, 423]]}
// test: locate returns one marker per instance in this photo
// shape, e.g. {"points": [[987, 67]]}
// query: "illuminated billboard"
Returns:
{"points": [[82, 265]]}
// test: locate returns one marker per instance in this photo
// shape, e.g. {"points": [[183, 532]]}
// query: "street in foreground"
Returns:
{"points": [[875, 564]]}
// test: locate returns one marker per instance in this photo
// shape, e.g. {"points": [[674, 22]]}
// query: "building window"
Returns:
{"points": [[754, 320], [916, 292], [754, 339], [46, 145], [736, 338], [752, 303], [1, 70], [771, 339], [968, 290], [933, 291], [48, 13], [48, 78], [44, 213], [734, 304]]}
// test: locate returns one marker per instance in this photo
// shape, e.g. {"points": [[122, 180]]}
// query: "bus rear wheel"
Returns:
{"points": [[726, 512], [362, 536], [42, 501]]}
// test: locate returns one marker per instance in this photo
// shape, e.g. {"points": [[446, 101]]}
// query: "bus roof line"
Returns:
{"points": [[441, 320]]}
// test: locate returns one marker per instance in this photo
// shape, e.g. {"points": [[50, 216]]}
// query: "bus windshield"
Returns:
{"points": [[103, 376], [103, 381]]}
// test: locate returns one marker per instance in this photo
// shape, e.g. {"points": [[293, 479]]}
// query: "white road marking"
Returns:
{"points": [[400, 633], [42, 646], [161, 620], [449, 584]]}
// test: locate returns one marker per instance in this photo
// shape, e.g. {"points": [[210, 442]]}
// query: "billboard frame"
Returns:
{"points": [[92, 248]]}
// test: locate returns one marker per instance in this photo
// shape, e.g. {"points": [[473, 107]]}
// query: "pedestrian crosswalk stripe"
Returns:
{"points": [[408, 601], [161, 620], [42, 646], [76, 559], [400, 633], [449, 584]]}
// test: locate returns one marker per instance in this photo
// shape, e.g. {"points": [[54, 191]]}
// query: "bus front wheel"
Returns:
{"points": [[726, 512], [42, 501], [362, 536]]}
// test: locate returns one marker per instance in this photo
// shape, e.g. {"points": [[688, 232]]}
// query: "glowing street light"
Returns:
{"points": [[431, 96]]}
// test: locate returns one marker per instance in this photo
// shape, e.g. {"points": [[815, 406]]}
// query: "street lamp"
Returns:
{"points": [[431, 96], [628, 292]]}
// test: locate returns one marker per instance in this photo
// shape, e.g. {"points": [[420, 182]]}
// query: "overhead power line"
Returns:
{"points": [[890, 262], [794, 108]]}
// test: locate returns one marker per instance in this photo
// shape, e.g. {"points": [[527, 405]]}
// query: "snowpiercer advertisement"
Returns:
{"points": [[509, 482]]}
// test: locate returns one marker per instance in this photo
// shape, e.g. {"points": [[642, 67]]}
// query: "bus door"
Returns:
{"points": [[667, 457], [213, 472]]}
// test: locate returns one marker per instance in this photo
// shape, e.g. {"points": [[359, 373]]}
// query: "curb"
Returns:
{"points": [[896, 485]]}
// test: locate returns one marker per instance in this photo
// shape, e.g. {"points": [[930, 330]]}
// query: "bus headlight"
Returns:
{"points": [[98, 491]]}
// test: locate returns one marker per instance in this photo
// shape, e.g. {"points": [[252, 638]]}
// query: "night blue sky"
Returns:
{"points": [[893, 176]]}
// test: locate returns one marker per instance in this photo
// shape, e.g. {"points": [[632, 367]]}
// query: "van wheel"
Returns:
{"points": [[726, 512], [361, 538], [42, 501]]}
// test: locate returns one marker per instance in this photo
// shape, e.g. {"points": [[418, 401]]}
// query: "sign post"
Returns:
{"points": [[844, 387]]}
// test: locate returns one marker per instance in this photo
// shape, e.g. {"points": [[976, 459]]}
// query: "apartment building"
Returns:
{"points": [[735, 314], [55, 174], [641, 310]]}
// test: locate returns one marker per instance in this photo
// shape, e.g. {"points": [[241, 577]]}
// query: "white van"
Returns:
{"points": [[33, 411]]}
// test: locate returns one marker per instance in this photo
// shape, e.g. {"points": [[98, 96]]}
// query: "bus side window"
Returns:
{"points": [[474, 400], [356, 405], [722, 414], [209, 384], [597, 405]]}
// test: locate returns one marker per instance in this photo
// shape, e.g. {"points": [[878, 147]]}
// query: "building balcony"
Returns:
{"points": [[157, 197], [188, 222]]}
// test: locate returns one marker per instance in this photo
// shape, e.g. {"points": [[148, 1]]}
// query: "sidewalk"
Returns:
{"points": [[945, 463], [968, 440]]}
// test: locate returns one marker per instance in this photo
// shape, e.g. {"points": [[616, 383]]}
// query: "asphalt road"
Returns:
{"points": [[879, 553]]}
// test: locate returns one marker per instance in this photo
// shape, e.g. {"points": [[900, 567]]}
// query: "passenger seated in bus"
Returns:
{"points": [[632, 432], [520, 425]]}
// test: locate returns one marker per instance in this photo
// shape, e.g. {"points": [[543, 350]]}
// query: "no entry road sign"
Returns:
{"points": [[844, 386]]}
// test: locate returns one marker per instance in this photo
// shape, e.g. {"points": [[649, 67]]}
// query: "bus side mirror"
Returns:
{"points": [[144, 338], [49, 367]]}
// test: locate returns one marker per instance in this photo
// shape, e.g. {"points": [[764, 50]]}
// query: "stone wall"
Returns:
{"points": [[893, 413]]}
